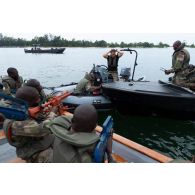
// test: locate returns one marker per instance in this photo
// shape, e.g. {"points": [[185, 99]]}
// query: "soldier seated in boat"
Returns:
{"points": [[36, 84], [86, 85], [32, 139], [12, 82], [180, 63], [75, 137], [112, 59]]}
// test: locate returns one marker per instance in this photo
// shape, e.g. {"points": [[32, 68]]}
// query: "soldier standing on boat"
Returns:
{"points": [[180, 63], [31, 137], [12, 82], [112, 60]]}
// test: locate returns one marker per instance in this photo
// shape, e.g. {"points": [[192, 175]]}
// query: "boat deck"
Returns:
{"points": [[150, 88]]}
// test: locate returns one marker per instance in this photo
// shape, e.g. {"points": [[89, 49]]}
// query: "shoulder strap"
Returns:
{"points": [[8, 132]]}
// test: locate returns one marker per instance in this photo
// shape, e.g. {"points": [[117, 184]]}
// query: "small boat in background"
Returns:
{"points": [[37, 49]]}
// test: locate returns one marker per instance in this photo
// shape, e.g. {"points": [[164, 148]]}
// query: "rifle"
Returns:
{"points": [[104, 146], [17, 109], [54, 101]]}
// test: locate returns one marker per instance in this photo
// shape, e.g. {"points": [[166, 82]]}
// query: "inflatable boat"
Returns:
{"points": [[100, 102]]}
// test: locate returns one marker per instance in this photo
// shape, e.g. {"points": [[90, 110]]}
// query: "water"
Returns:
{"points": [[171, 137]]}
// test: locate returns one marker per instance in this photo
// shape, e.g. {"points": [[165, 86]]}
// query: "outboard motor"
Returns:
{"points": [[125, 74]]}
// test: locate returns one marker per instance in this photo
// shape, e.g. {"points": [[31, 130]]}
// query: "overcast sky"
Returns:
{"points": [[112, 21], [118, 37]]}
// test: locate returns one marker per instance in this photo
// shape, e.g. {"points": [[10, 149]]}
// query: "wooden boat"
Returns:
{"points": [[36, 49], [124, 150]]}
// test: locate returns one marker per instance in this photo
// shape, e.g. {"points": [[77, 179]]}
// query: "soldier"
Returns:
{"points": [[36, 84], [32, 139], [85, 85], [76, 138], [180, 62], [11, 82], [112, 59]]}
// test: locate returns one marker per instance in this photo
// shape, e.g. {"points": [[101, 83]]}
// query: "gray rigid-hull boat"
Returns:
{"points": [[100, 102], [40, 51], [36, 49]]}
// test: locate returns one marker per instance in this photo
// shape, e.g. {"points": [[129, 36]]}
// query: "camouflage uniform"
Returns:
{"points": [[71, 146], [10, 86], [33, 140], [84, 86], [180, 63]]}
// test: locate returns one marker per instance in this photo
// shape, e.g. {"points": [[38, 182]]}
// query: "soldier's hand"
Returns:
{"points": [[40, 116], [167, 72], [54, 109]]}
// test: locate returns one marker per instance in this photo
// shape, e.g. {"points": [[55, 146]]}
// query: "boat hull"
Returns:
{"points": [[151, 97], [100, 102]]}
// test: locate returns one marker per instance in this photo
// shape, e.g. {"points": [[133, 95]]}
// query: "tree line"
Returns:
{"points": [[49, 40]]}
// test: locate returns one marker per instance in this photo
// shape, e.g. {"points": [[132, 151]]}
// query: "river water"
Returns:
{"points": [[174, 138]]}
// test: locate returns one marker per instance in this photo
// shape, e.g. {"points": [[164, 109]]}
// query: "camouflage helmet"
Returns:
{"points": [[84, 118], [34, 83], [28, 94]]}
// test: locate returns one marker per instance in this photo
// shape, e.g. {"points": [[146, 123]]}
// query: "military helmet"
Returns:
{"points": [[84, 118], [34, 83], [13, 73], [176, 44], [28, 94], [113, 50]]}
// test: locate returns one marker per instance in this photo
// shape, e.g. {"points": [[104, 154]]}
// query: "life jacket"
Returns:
{"points": [[71, 147], [14, 85], [112, 63], [26, 146]]}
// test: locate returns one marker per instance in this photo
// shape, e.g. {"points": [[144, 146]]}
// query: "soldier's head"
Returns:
{"points": [[34, 83], [13, 73], [178, 45], [84, 119], [90, 76], [113, 52], [28, 94]]}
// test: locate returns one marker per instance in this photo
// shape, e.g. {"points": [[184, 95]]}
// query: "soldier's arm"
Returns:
{"points": [[106, 55], [120, 54], [29, 128], [91, 88], [179, 62]]}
